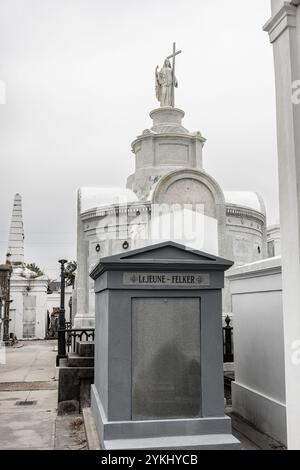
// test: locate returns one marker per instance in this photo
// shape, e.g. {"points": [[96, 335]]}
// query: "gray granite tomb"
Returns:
{"points": [[158, 352]]}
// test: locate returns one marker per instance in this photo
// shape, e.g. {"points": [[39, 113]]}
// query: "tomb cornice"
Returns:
{"points": [[282, 20], [32, 284], [130, 208], [139, 260], [157, 266], [259, 268], [115, 208], [236, 211], [153, 136]]}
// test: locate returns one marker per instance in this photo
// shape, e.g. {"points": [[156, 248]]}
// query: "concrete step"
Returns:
{"points": [[85, 348], [201, 442], [74, 360]]}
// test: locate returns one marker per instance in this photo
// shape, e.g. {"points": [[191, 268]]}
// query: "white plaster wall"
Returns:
{"points": [[16, 312], [259, 388], [274, 237], [41, 312], [38, 288], [244, 235], [244, 245]]}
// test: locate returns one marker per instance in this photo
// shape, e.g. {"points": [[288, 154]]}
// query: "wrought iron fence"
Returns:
{"points": [[228, 355], [88, 334], [72, 335]]}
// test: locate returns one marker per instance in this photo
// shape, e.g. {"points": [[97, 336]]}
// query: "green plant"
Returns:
{"points": [[35, 268], [70, 273]]}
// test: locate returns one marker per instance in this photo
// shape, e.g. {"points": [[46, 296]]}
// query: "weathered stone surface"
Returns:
{"points": [[74, 385], [74, 360], [85, 348]]}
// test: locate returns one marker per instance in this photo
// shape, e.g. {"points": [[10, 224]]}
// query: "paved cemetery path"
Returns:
{"points": [[28, 401], [28, 405]]}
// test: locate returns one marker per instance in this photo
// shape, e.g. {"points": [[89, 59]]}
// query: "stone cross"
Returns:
{"points": [[173, 56]]}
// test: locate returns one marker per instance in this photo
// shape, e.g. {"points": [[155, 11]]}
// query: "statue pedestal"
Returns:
{"points": [[168, 120], [166, 147]]}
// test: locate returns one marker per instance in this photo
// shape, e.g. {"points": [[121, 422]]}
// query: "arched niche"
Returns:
{"points": [[194, 187]]}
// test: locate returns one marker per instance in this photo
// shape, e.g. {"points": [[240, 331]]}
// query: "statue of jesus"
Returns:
{"points": [[165, 81]]}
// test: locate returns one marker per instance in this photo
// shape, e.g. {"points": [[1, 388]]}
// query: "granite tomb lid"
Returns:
{"points": [[162, 256]]}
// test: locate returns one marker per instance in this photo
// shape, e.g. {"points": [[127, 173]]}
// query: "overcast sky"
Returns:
{"points": [[79, 77]]}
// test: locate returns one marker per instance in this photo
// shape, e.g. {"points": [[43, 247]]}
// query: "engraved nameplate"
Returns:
{"points": [[166, 279]]}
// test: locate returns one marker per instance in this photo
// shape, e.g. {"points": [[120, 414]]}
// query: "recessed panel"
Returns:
{"points": [[173, 153], [166, 358]]}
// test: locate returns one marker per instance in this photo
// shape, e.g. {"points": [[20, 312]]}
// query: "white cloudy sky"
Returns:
{"points": [[79, 78]]}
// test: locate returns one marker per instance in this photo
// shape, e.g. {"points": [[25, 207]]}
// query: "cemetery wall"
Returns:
{"points": [[258, 392]]}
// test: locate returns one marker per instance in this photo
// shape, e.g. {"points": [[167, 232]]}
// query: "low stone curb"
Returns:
{"points": [[90, 430]]}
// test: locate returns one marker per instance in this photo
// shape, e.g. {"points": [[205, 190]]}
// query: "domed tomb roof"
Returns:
{"points": [[92, 198], [247, 199]]}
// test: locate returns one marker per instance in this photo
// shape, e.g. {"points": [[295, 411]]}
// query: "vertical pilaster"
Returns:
{"points": [[83, 318], [283, 29]]}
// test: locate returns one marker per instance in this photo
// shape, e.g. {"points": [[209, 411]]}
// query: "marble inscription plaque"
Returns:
{"points": [[160, 279]]}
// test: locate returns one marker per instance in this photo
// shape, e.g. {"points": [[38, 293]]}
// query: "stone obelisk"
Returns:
{"points": [[16, 233]]}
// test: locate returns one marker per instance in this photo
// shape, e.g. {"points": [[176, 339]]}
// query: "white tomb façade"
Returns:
{"points": [[168, 173], [28, 290]]}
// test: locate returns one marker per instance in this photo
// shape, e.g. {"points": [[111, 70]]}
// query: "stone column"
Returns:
{"points": [[284, 31], [83, 318]]}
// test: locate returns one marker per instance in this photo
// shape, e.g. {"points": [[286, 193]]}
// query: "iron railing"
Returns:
{"points": [[74, 335], [228, 355], [88, 334]]}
